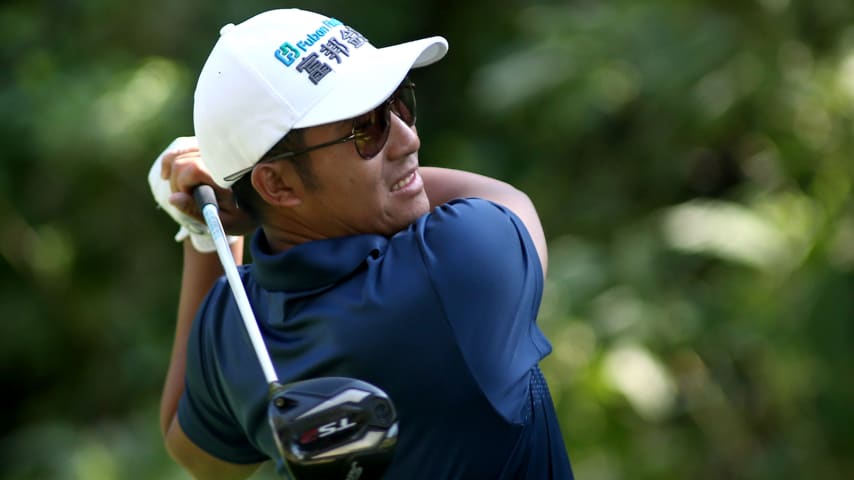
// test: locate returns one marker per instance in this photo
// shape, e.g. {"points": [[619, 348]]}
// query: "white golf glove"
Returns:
{"points": [[161, 189]]}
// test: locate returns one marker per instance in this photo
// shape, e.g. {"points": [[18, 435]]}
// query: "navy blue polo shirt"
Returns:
{"points": [[441, 316]]}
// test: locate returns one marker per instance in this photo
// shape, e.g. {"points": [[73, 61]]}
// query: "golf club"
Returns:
{"points": [[324, 428]]}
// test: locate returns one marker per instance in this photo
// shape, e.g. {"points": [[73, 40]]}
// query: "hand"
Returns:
{"points": [[184, 169], [172, 178]]}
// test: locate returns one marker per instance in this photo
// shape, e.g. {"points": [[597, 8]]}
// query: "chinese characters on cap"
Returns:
{"points": [[333, 49]]}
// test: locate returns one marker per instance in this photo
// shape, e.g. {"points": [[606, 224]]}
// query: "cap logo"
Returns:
{"points": [[287, 54], [334, 49]]}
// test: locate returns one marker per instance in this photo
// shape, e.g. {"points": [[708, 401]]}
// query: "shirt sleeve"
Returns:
{"points": [[486, 271], [203, 411]]}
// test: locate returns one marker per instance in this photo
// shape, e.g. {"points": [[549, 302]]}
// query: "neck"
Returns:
{"points": [[286, 229], [280, 239]]}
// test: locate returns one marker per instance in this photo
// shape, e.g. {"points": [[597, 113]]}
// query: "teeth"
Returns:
{"points": [[402, 183]]}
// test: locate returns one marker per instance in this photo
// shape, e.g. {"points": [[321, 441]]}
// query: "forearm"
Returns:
{"points": [[443, 185], [200, 271]]}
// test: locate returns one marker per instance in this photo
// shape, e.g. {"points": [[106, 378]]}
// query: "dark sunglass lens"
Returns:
{"points": [[372, 132], [404, 103]]}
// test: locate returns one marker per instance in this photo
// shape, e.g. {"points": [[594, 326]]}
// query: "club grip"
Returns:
{"points": [[204, 195]]}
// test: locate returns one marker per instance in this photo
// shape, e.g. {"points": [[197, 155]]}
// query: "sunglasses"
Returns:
{"points": [[370, 130]]}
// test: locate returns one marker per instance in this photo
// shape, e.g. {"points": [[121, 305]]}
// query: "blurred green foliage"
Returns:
{"points": [[691, 162]]}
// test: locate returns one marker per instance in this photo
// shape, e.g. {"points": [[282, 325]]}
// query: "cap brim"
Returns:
{"points": [[373, 80]]}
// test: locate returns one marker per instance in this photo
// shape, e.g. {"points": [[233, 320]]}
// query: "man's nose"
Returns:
{"points": [[403, 140]]}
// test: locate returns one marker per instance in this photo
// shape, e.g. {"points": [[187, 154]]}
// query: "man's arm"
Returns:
{"points": [[200, 272], [184, 170], [443, 185]]}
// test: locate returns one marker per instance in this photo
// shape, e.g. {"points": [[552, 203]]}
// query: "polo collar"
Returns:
{"points": [[312, 265]]}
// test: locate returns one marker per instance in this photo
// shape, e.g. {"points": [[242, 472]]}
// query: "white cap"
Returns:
{"points": [[286, 69]]}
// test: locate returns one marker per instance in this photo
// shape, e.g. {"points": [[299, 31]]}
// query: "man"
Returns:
{"points": [[422, 281]]}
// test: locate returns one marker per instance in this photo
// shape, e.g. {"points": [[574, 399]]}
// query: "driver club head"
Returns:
{"points": [[333, 428]]}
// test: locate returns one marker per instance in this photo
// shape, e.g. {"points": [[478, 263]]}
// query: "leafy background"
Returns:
{"points": [[691, 162]]}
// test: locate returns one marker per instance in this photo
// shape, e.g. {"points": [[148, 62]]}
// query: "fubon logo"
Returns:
{"points": [[287, 53]]}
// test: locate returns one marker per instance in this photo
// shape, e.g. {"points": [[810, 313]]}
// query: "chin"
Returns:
{"points": [[404, 220], [419, 210]]}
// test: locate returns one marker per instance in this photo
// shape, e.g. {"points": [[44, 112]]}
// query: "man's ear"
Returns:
{"points": [[278, 184]]}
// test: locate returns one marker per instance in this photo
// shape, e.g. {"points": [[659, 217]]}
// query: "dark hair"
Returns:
{"points": [[244, 193]]}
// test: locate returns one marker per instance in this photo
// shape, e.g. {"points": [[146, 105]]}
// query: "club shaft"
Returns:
{"points": [[211, 215]]}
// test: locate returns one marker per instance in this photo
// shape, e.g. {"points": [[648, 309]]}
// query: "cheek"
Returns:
{"points": [[367, 181], [359, 185], [361, 193]]}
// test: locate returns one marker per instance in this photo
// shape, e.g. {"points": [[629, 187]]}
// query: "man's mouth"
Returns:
{"points": [[403, 182]]}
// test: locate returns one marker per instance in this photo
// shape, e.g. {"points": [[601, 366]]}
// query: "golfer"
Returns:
{"points": [[425, 282]]}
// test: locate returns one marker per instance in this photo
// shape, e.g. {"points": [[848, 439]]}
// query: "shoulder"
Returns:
{"points": [[207, 411], [470, 213], [473, 251], [475, 232], [219, 301]]}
